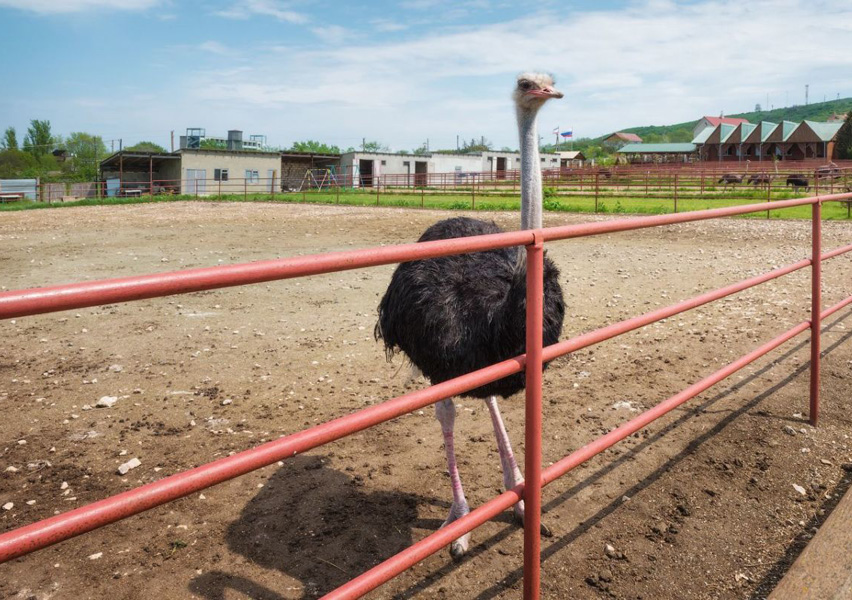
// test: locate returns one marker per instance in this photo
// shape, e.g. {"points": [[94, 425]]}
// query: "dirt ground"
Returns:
{"points": [[701, 504]]}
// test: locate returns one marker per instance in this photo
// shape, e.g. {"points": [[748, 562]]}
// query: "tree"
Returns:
{"points": [[10, 139], [374, 147], [213, 145], [843, 141], [39, 140], [483, 145], [422, 149], [315, 147], [146, 147], [86, 151]]}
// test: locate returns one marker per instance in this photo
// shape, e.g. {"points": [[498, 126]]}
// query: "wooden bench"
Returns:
{"points": [[823, 570]]}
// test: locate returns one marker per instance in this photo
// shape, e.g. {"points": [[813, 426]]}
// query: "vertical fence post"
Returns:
{"points": [[816, 308], [597, 189], [378, 186], [473, 193], [675, 192], [245, 188], [532, 431]]}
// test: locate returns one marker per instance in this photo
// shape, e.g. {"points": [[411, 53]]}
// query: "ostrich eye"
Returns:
{"points": [[525, 85]]}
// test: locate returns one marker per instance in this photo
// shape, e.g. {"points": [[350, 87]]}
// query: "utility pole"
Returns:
{"points": [[363, 144], [458, 149], [806, 93], [173, 140], [120, 144]]}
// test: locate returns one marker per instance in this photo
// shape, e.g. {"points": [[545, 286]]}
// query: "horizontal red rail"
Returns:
{"points": [[395, 565], [79, 295], [19, 303], [61, 527]]}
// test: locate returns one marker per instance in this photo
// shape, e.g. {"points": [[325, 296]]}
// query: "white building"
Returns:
{"points": [[426, 169]]}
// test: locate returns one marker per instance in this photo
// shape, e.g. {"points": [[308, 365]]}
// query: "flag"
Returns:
{"points": [[568, 134], [556, 129]]}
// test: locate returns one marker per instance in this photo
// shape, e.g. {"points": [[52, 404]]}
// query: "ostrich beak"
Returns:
{"points": [[546, 92]]}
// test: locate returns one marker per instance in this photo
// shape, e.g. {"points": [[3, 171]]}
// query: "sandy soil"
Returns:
{"points": [[700, 505]]}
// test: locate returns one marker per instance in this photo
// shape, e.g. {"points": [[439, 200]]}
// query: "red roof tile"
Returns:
{"points": [[714, 121]]}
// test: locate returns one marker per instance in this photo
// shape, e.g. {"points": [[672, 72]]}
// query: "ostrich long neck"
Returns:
{"points": [[530, 170]]}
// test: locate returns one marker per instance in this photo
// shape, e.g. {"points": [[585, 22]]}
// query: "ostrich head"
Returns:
{"points": [[533, 90]]}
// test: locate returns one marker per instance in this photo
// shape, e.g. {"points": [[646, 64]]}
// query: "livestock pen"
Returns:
{"points": [[90, 294]]}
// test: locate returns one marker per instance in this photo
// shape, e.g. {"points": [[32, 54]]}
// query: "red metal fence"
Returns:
{"points": [[38, 535], [747, 182]]}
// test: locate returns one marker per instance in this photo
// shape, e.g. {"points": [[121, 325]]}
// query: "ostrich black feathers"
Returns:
{"points": [[456, 314]]}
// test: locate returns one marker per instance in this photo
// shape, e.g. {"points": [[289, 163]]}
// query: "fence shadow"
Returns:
{"points": [[689, 412], [316, 525]]}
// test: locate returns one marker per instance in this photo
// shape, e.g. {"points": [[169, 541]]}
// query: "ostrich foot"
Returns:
{"points": [[519, 517], [459, 546]]}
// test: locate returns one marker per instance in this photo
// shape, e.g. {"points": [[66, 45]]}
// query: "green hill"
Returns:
{"points": [[682, 132]]}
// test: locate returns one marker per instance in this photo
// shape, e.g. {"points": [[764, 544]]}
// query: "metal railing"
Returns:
{"points": [[601, 189], [24, 540]]}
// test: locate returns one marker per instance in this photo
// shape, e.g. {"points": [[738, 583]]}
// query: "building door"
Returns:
{"points": [[365, 168], [421, 168], [196, 181], [501, 167]]}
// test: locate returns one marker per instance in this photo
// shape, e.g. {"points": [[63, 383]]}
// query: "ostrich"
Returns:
{"points": [[455, 314]]}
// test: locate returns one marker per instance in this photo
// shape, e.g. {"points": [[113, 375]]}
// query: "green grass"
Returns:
{"points": [[608, 203]]}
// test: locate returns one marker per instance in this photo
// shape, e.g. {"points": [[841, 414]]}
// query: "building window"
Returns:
{"points": [[384, 162], [220, 174], [252, 176], [406, 163]]}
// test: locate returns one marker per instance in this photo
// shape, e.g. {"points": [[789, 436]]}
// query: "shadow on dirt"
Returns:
{"points": [[563, 541], [315, 525]]}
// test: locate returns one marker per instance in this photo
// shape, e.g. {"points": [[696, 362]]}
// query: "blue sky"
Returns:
{"points": [[402, 72]]}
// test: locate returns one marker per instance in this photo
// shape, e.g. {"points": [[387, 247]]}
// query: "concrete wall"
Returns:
{"points": [[237, 163], [387, 164]]}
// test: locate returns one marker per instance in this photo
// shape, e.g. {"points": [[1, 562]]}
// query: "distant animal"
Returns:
{"points": [[828, 172], [731, 178], [797, 180], [760, 179], [456, 314]]}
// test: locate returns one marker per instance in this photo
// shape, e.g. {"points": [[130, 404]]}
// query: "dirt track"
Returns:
{"points": [[700, 505]]}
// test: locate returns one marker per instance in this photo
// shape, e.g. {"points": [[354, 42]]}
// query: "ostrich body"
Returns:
{"points": [[455, 314]]}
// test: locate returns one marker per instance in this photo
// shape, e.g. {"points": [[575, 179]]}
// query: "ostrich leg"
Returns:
{"points": [[511, 473], [445, 411]]}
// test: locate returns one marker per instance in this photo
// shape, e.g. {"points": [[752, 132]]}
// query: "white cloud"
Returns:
{"points": [[71, 6], [244, 9], [214, 47], [333, 34], [387, 25], [652, 63]]}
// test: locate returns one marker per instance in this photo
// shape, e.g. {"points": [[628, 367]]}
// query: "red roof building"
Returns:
{"points": [[705, 122], [620, 138]]}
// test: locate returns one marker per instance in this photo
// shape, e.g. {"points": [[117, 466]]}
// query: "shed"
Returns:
{"points": [[658, 153], [621, 138], [815, 139]]}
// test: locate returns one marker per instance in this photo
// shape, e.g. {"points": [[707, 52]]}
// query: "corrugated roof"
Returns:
{"points": [[703, 135], [726, 131], [788, 128], [825, 131], [657, 148], [746, 129], [627, 137], [766, 128], [714, 121]]}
